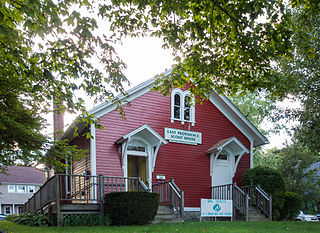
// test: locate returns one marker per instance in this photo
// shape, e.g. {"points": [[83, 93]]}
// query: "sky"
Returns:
{"points": [[145, 58]]}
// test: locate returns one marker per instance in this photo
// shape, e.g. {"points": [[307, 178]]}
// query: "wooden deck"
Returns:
{"points": [[78, 194]]}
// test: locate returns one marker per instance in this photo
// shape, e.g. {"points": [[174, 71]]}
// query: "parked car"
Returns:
{"points": [[2, 217], [318, 216], [306, 217]]}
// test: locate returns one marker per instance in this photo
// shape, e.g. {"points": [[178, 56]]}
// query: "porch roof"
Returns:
{"points": [[231, 143], [147, 133]]}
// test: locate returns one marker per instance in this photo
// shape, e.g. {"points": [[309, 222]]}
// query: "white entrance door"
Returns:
{"points": [[222, 170]]}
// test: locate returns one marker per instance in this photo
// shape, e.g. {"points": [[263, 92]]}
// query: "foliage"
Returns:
{"points": [[256, 107], [220, 45], [271, 181], [31, 219], [49, 49], [85, 220], [60, 48], [187, 226], [292, 206], [304, 68], [268, 158], [298, 166], [131, 208]]}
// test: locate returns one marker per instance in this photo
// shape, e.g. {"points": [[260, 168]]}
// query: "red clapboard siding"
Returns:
{"points": [[187, 164]]}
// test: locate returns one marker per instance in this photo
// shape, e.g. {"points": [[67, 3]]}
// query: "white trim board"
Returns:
{"points": [[189, 209]]}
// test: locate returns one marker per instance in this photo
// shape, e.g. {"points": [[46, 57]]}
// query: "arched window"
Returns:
{"points": [[182, 106], [177, 107], [187, 104]]}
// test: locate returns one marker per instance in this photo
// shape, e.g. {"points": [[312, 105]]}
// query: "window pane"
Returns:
{"points": [[223, 157], [187, 114], [177, 100], [8, 210], [11, 189], [21, 189], [31, 189], [177, 112], [187, 101], [136, 148]]}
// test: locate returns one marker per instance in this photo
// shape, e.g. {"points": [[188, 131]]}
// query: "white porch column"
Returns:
{"points": [[149, 170], [0, 208], [13, 210], [93, 155]]}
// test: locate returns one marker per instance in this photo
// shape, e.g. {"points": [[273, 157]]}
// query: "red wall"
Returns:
{"points": [[187, 164]]}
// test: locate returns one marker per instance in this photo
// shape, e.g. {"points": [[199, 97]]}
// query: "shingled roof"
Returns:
{"points": [[23, 175]]}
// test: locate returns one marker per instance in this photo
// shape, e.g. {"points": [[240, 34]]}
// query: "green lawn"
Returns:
{"points": [[223, 227]]}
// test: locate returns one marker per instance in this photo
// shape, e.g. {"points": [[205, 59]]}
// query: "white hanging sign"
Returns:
{"points": [[183, 136]]}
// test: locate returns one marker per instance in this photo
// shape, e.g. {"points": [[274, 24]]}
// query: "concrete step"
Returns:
{"points": [[256, 215], [166, 214], [164, 210]]}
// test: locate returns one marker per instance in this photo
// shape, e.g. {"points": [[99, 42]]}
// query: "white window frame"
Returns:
{"points": [[5, 209], [183, 95], [10, 190], [25, 189], [31, 187]]}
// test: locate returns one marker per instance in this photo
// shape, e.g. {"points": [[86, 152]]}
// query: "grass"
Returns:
{"points": [[216, 227]]}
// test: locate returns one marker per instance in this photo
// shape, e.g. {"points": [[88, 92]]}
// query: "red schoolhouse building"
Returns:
{"points": [[170, 137]]}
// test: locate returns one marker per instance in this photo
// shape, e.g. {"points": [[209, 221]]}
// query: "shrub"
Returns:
{"points": [[131, 208], [271, 181], [292, 206], [31, 219], [85, 220]]}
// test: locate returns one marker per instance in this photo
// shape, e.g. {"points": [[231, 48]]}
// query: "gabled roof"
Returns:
{"points": [[147, 132], [231, 143], [23, 175], [220, 101]]}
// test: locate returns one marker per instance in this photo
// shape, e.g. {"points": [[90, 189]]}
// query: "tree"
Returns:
{"points": [[256, 107], [295, 162], [304, 67], [295, 166], [50, 48], [220, 45]]}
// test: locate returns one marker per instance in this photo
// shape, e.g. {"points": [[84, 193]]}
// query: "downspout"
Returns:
{"points": [[251, 153]]}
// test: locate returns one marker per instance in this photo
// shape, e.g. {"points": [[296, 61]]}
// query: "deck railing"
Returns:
{"points": [[260, 199], [169, 193], [79, 189], [232, 192]]}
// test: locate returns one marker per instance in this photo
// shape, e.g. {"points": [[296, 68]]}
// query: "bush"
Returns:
{"points": [[292, 206], [131, 208], [85, 220], [271, 181], [31, 219]]}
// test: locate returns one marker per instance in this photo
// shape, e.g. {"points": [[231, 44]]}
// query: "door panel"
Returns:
{"points": [[137, 167]]}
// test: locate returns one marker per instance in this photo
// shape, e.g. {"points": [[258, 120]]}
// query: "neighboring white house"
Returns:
{"points": [[17, 187]]}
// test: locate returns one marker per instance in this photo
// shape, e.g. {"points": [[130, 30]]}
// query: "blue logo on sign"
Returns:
{"points": [[216, 207]]}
